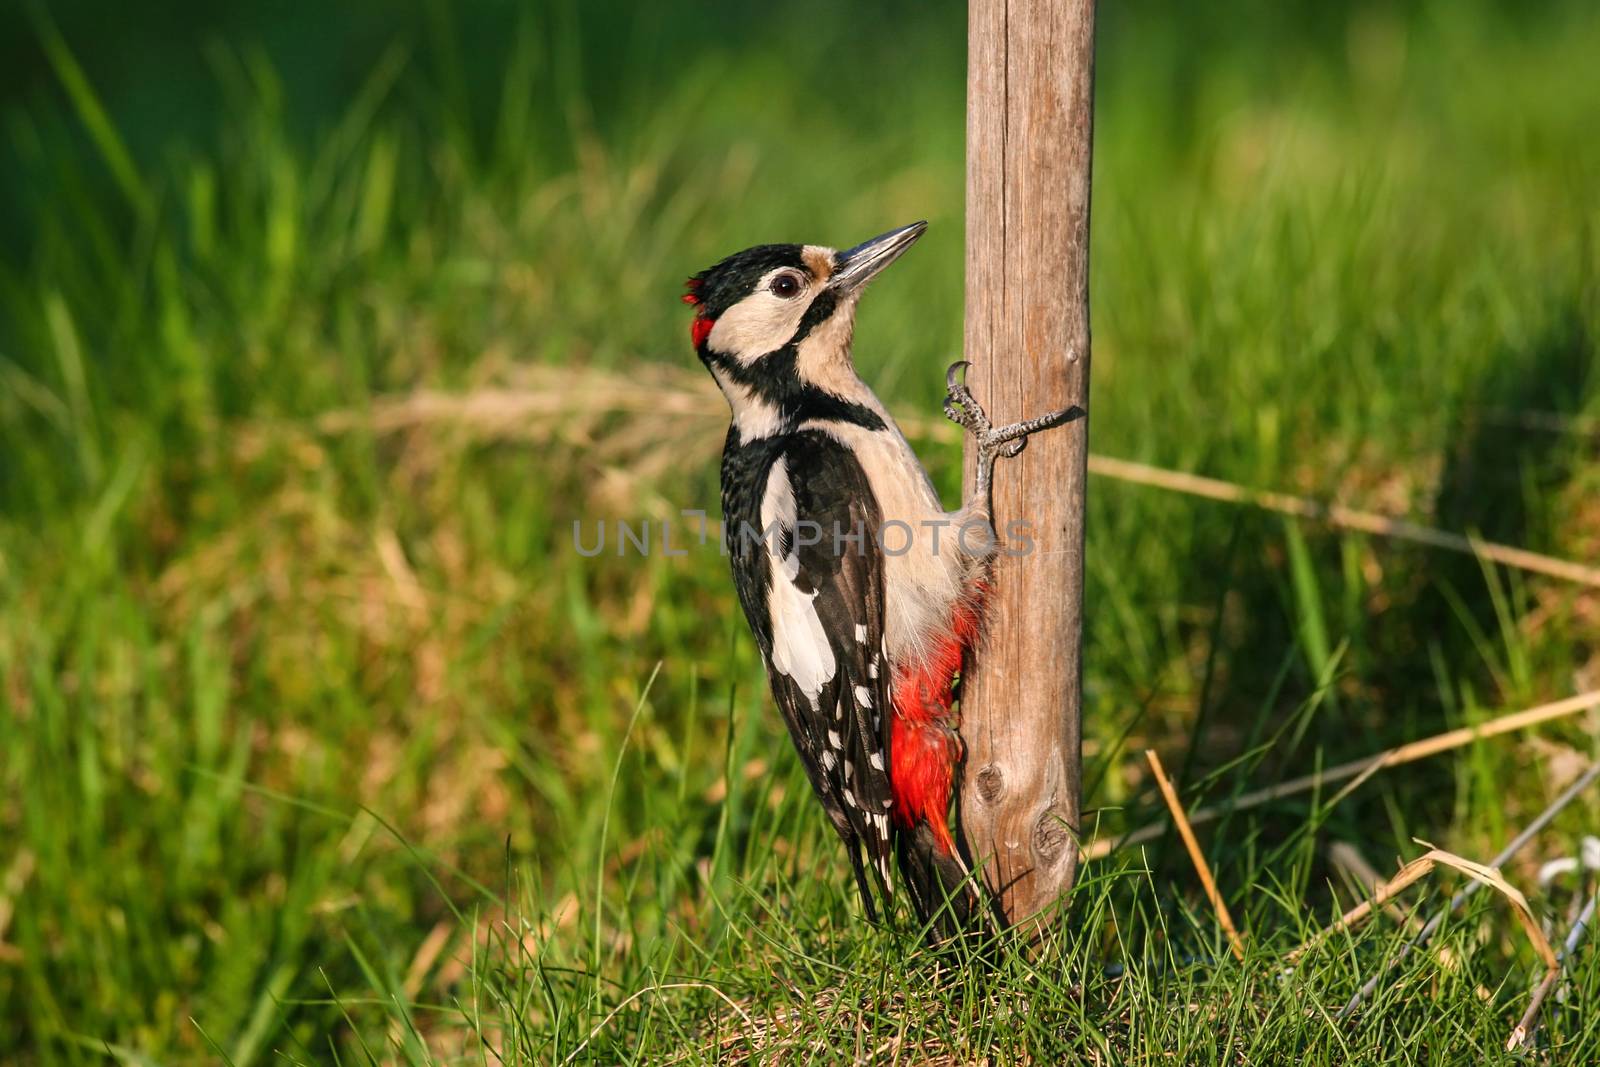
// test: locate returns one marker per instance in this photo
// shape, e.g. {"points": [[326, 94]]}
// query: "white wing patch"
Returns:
{"points": [[800, 646]]}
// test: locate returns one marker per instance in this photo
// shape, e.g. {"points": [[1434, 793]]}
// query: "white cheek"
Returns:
{"points": [[756, 325]]}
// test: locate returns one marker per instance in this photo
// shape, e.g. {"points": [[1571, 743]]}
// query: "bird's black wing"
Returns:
{"points": [[802, 532]]}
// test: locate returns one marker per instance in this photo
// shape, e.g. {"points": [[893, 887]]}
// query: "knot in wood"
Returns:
{"points": [[991, 783], [1050, 836]]}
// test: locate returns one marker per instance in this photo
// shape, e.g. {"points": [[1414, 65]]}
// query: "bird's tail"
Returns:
{"points": [[947, 897]]}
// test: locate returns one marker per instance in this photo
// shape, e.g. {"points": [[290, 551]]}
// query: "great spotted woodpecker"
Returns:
{"points": [[861, 609]]}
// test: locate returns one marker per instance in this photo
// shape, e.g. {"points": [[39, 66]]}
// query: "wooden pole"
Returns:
{"points": [[1030, 97]]}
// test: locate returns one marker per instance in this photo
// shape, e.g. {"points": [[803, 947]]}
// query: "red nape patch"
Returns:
{"points": [[700, 328], [692, 297]]}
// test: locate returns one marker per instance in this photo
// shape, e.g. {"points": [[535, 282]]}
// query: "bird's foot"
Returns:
{"points": [[993, 441]]}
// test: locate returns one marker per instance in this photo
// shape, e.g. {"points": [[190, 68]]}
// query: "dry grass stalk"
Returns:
{"points": [[1407, 753], [1420, 867], [1348, 859], [1345, 518], [1524, 1028], [1488, 876], [1526, 834], [1218, 905], [576, 399]]}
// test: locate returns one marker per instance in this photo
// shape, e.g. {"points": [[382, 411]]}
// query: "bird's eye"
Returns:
{"points": [[785, 286]]}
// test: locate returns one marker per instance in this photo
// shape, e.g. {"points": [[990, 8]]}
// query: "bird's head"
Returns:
{"points": [[773, 323]]}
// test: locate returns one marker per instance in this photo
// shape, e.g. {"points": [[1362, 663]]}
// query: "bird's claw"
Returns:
{"points": [[954, 376], [961, 408], [959, 405]]}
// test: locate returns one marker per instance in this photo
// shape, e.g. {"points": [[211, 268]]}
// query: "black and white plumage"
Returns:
{"points": [[817, 615], [862, 643]]}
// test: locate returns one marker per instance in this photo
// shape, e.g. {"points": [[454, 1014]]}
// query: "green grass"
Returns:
{"points": [[318, 740]]}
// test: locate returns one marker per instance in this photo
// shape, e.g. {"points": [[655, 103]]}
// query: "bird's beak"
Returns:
{"points": [[857, 266]]}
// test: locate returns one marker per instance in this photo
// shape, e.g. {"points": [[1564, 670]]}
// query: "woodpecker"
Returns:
{"points": [[861, 609]]}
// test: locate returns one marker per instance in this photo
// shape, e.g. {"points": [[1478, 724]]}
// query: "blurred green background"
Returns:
{"points": [[321, 324]]}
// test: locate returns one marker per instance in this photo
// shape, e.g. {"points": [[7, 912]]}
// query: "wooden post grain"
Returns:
{"points": [[1030, 82]]}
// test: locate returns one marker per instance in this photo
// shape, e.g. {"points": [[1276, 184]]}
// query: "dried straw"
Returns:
{"points": [[1407, 753], [659, 396], [1524, 1028], [1218, 905], [1413, 872], [1504, 856], [1346, 518]]}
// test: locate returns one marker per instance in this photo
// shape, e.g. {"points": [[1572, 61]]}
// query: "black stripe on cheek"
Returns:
{"points": [[820, 311]]}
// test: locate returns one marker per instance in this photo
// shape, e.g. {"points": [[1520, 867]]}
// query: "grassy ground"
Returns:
{"points": [[319, 741]]}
